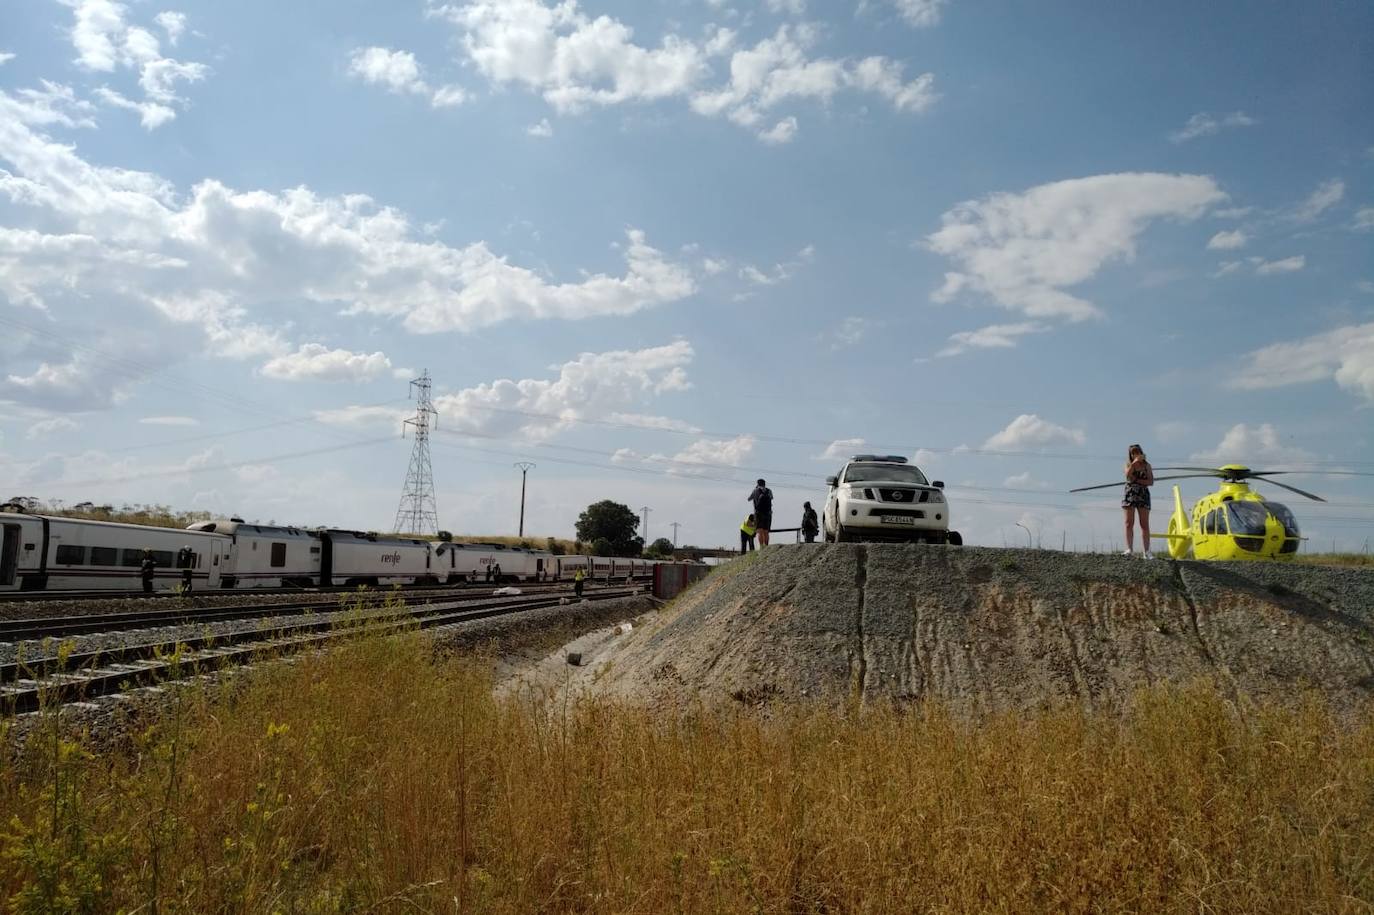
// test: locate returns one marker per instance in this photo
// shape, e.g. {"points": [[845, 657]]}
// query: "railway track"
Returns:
{"points": [[33, 683], [12, 597], [56, 627]]}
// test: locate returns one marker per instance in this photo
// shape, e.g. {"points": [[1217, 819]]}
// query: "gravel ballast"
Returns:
{"points": [[994, 629]]}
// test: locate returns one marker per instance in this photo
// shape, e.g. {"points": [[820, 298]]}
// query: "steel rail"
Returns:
{"points": [[37, 628], [29, 685]]}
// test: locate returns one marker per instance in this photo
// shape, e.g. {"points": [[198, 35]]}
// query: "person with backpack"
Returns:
{"points": [[762, 497], [810, 526]]}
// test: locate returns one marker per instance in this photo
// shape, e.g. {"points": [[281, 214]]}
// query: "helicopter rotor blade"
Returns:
{"points": [[1330, 473], [1182, 476], [1295, 489], [1211, 470]]}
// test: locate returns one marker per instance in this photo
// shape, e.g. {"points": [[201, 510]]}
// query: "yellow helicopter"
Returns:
{"points": [[1235, 522]]}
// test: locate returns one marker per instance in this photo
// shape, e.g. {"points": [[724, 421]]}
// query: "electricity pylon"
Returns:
{"points": [[418, 512]]}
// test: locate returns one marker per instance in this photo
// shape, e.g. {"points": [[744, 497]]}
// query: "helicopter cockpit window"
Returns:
{"points": [[1216, 521], [1290, 526], [1247, 519]]}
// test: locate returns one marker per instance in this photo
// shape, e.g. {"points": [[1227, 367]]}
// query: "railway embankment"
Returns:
{"points": [[994, 629]]}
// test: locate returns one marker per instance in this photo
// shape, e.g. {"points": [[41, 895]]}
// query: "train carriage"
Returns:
{"points": [[357, 558], [267, 556], [40, 552]]}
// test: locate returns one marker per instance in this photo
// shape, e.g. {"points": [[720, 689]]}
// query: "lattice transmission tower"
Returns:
{"points": [[418, 512]]}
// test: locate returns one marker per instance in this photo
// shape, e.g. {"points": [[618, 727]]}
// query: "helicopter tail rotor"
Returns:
{"points": [[1180, 537]]}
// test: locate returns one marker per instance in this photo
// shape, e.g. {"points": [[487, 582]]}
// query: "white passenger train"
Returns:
{"points": [[47, 553]]}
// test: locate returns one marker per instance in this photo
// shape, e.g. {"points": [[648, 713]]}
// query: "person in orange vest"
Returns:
{"points": [[746, 534]]}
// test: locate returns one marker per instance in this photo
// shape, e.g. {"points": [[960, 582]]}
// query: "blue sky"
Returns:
{"points": [[662, 248]]}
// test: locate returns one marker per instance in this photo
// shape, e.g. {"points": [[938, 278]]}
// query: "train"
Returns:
{"points": [[50, 553]]}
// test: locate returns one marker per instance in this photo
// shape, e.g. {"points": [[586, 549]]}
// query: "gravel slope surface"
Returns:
{"points": [[989, 629]]}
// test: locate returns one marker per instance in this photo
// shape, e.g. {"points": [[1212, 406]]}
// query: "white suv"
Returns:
{"points": [[882, 497]]}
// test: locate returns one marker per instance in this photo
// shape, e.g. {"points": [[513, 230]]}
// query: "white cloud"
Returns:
{"points": [[1286, 265], [647, 421], [399, 72], [592, 385], [542, 129], [1327, 195], [795, 7], [211, 256], [994, 336], [174, 24], [106, 43], [1203, 125], [1345, 355], [1022, 250], [169, 421], [781, 132], [1364, 219], [1227, 241], [731, 452], [45, 427], [850, 332], [316, 362], [1030, 431], [778, 70], [575, 62], [1252, 446], [362, 416], [151, 115], [842, 449], [921, 14], [712, 266], [6, 57], [1024, 480]]}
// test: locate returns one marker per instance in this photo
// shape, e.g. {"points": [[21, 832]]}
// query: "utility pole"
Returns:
{"points": [[646, 509], [418, 512], [1028, 533], [675, 526], [525, 468]]}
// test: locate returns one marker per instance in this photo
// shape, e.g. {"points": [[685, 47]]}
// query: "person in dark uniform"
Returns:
{"points": [[146, 570], [186, 561], [487, 572], [810, 525], [496, 573], [762, 497]]}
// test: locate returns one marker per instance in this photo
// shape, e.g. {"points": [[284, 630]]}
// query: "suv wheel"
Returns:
{"points": [[839, 533], [954, 538]]}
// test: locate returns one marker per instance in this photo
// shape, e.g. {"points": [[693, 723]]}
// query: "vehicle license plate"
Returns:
{"points": [[898, 519]]}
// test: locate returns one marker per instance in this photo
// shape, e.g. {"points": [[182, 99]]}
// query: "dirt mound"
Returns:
{"points": [[989, 629]]}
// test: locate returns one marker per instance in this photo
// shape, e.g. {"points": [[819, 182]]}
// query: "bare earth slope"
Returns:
{"points": [[988, 629]]}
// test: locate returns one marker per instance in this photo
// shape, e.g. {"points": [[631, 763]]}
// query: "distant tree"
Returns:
{"points": [[613, 523], [662, 548]]}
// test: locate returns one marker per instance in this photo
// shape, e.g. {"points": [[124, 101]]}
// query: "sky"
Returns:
{"points": [[662, 248]]}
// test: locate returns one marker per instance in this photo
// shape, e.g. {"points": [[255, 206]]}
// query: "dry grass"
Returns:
{"points": [[379, 779], [1355, 560]]}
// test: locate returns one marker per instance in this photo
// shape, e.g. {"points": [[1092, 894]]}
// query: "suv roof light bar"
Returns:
{"points": [[880, 458]]}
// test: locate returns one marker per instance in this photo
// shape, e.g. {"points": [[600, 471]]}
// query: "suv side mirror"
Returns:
{"points": [[938, 484], [832, 481]]}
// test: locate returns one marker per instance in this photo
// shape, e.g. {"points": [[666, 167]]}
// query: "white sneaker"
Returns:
{"points": [[1148, 555], [1127, 553]]}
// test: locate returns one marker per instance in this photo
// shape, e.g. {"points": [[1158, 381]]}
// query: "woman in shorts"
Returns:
{"points": [[1140, 476]]}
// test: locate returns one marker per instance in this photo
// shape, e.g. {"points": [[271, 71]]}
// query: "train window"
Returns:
{"points": [[71, 555], [104, 556], [278, 555], [164, 558], [132, 558]]}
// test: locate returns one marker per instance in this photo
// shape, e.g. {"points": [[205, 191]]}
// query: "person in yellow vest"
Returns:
{"points": [[746, 534], [578, 577]]}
